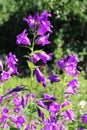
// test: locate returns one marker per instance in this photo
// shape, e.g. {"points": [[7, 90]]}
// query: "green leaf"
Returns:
{"points": [[31, 65], [46, 113], [38, 51], [65, 108]]}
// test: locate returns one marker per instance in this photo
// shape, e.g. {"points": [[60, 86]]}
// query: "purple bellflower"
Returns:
{"points": [[84, 118], [5, 75], [43, 40], [71, 66], [53, 78], [39, 77], [44, 16], [31, 21], [23, 39], [42, 56], [61, 63], [44, 27], [72, 85]]}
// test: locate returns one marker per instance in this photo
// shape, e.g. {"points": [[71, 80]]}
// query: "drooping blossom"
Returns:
{"points": [[84, 118], [53, 78], [31, 21], [72, 85], [43, 40], [39, 77], [42, 56], [23, 39]]}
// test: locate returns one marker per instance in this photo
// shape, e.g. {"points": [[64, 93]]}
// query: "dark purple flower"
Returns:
{"points": [[42, 56], [5, 75], [17, 89], [39, 77], [23, 39], [31, 21], [43, 40], [72, 85], [17, 110], [53, 78], [61, 63], [5, 111], [44, 27], [84, 118]]}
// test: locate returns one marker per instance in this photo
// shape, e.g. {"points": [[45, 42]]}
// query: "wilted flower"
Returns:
{"points": [[23, 39]]}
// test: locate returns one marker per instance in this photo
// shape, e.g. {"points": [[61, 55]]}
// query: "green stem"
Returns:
{"points": [[32, 52]]}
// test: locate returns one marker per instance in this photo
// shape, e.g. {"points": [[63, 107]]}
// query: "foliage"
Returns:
{"points": [[69, 21]]}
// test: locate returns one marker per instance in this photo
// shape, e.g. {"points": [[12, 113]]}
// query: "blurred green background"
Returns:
{"points": [[69, 20]]}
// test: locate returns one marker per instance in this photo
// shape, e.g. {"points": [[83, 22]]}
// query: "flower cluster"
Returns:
{"points": [[52, 113], [11, 68]]}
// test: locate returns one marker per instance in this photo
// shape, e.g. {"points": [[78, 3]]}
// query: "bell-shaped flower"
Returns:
{"points": [[43, 40], [42, 56], [5, 75], [68, 114], [72, 85], [44, 27], [54, 107], [31, 21], [23, 39], [61, 63], [84, 118], [53, 78], [44, 16], [39, 77], [11, 59]]}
